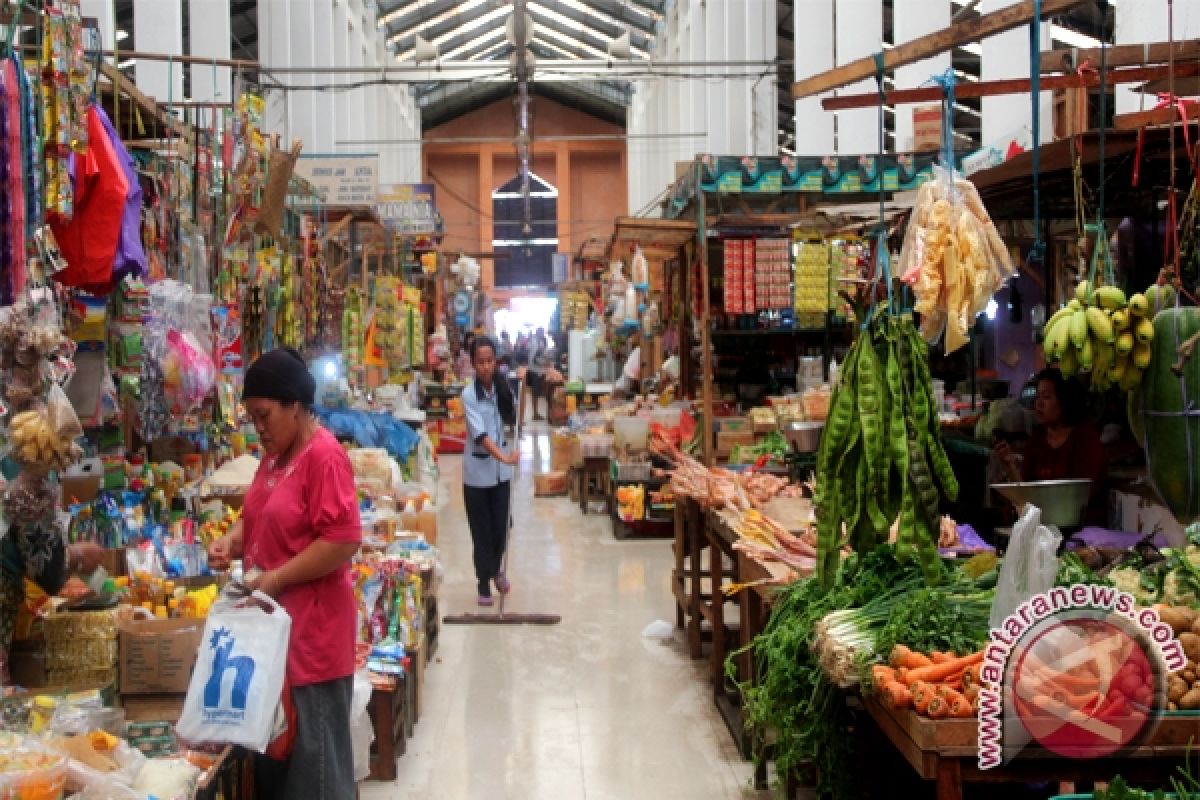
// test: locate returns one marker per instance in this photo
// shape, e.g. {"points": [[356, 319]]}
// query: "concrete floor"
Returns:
{"points": [[585, 709]]}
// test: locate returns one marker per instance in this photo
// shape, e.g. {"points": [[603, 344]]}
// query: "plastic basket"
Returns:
{"points": [[595, 445], [632, 472]]}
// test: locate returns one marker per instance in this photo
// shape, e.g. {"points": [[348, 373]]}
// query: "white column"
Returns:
{"points": [[274, 50], [859, 33], [342, 107], [762, 98], [106, 18], [699, 121], [326, 106], [737, 92], [1006, 56], [210, 38], [813, 23], [933, 15], [717, 142], [158, 28]]}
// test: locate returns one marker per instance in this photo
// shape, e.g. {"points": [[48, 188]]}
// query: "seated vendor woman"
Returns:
{"points": [[1064, 445]]}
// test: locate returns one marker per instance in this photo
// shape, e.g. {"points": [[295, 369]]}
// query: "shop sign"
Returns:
{"points": [[409, 208], [996, 154], [342, 180], [927, 128]]}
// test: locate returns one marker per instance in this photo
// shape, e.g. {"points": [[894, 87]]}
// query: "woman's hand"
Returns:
{"points": [[512, 458], [84, 558], [269, 583], [1005, 455], [224, 550]]}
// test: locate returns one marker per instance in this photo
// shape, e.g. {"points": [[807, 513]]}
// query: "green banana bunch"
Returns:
{"points": [[1105, 336]]}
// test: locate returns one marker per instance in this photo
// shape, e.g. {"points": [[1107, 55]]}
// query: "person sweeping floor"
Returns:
{"points": [[488, 467]]}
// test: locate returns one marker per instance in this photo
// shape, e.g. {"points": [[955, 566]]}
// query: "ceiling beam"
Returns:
{"points": [[562, 49], [1005, 19], [654, 6], [406, 42], [486, 42], [1122, 55], [581, 35], [595, 23], [418, 16], [625, 13]]}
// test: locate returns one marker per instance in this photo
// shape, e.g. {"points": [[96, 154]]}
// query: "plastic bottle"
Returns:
{"points": [[408, 517], [427, 522]]}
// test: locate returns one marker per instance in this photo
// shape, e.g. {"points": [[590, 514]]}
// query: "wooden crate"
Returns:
{"points": [[389, 710]]}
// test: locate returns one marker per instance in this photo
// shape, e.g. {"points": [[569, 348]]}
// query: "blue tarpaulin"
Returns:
{"points": [[369, 429]]}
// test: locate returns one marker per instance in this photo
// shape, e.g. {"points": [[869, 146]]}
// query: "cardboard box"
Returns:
{"points": [[157, 656], [171, 448], [927, 128], [733, 425], [727, 440], [153, 707]]}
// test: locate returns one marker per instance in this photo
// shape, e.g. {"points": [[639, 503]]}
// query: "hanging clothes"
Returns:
{"points": [[12, 185], [131, 256], [30, 149], [89, 240]]}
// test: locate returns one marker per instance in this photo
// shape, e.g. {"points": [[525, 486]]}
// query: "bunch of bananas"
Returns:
{"points": [[34, 442], [1103, 335]]}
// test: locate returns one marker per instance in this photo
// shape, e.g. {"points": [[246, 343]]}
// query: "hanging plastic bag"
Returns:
{"points": [[235, 691], [188, 372], [362, 731], [1030, 564], [63, 419]]}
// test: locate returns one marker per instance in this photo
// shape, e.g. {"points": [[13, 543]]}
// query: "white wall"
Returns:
{"points": [[1005, 56], [934, 15], [1141, 21], [734, 116], [294, 33]]}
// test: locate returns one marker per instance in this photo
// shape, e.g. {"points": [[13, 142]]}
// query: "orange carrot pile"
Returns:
{"points": [[936, 685]]}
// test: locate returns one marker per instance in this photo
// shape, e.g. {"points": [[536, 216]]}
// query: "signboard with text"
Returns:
{"points": [[408, 208], [342, 180]]}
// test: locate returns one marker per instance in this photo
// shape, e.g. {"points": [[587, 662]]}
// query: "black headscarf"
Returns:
{"points": [[281, 375]]}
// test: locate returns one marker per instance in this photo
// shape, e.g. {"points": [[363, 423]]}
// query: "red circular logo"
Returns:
{"points": [[1084, 687]]}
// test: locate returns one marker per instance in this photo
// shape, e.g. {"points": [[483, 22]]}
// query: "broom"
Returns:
{"points": [[500, 618]]}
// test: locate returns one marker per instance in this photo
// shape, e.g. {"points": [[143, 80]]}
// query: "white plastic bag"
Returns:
{"points": [[1030, 564], [236, 686], [362, 732]]}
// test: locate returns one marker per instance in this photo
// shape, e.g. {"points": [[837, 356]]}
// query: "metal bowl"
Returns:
{"points": [[804, 437], [1061, 502]]}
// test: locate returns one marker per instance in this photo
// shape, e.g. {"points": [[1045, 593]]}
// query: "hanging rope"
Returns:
{"points": [[1037, 251], [882, 257], [947, 81]]}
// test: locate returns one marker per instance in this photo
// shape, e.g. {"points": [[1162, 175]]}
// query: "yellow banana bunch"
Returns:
{"points": [[34, 442], [1103, 335]]}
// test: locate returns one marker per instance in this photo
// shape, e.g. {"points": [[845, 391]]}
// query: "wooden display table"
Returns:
{"points": [[946, 751], [724, 566], [231, 777], [689, 573], [392, 715]]}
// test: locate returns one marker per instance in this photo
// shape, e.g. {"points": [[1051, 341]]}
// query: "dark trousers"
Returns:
{"points": [[487, 515], [321, 766]]}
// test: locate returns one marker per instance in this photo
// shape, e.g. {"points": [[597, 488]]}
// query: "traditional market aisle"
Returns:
{"points": [[585, 709]]}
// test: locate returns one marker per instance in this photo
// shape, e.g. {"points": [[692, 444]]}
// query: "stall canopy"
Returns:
{"points": [[659, 238]]}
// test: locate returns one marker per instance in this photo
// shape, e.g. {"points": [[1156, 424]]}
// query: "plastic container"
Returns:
{"points": [[666, 417], [29, 773], [631, 434]]}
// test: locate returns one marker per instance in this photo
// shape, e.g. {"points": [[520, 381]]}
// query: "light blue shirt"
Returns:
{"points": [[483, 418]]}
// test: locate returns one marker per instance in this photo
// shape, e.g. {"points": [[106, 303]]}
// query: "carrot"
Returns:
{"points": [[897, 695], [961, 707], [882, 675], [971, 675], [940, 672], [898, 656], [972, 693], [938, 708], [947, 692], [938, 657], [923, 694], [917, 660], [1075, 679]]}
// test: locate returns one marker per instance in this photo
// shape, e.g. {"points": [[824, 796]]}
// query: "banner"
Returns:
{"points": [[342, 180], [409, 208]]}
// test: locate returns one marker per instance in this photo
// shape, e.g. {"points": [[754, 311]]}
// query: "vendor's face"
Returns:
{"points": [[1046, 409], [277, 424], [484, 363]]}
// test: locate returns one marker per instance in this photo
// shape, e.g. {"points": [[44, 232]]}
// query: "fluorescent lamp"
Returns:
{"points": [[122, 35]]}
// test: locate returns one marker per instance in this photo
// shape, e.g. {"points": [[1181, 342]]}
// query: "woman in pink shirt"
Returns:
{"points": [[299, 530]]}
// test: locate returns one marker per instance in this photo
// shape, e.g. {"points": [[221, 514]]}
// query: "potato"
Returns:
{"points": [[1189, 676], [1177, 687], [1172, 707], [1191, 645], [1196, 625], [1190, 701], [1179, 622]]}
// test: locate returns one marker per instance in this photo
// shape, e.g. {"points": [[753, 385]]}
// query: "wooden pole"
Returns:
{"points": [[1005, 19], [1155, 116], [1121, 55], [706, 376], [1012, 86]]}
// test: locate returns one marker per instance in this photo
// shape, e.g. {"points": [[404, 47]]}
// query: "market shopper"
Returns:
{"points": [[299, 530], [488, 468], [539, 361], [462, 365], [1064, 444], [42, 555]]}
